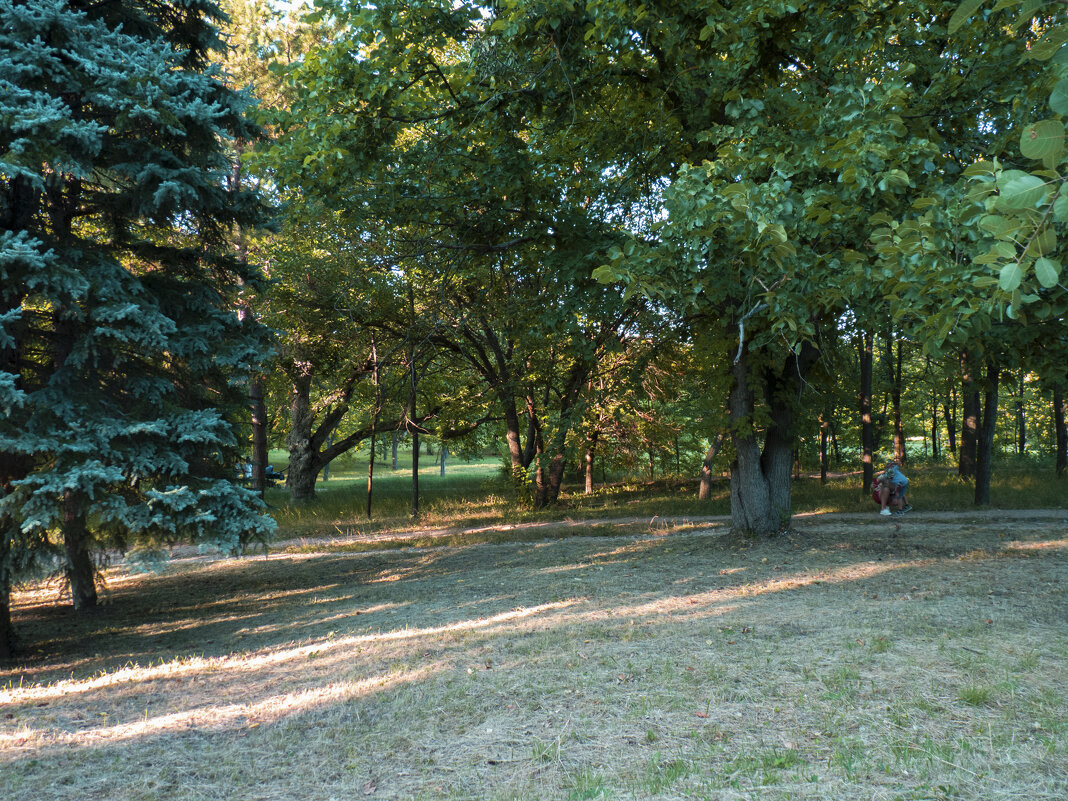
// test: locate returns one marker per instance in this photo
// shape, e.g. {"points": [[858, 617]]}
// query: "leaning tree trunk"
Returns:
{"points": [[985, 444], [865, 345], [969, 431], [1060, 408], [704, 492], [79, 569]]}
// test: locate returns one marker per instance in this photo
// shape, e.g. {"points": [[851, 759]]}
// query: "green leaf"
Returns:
{"points": [[997, 226], [960, 16], [1058, 99], [1020, 190], [979, 168], [1048, 272], [1043, 141], [1051, 41], [1060, 208], [605, 274], [1011, 275]]}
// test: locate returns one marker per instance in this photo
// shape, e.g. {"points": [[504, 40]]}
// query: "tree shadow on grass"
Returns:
{"points": [[241, 649]]}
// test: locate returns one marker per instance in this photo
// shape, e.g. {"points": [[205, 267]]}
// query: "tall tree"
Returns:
{"points": [[124, 352]]}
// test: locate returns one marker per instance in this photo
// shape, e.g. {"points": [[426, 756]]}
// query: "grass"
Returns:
{"points": [[849, 659], [473, 494]]}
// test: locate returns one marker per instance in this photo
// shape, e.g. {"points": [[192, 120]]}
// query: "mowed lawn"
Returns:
{"points": [[852, 659]]}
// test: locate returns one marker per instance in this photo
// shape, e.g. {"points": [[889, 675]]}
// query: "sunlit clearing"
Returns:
{"points": [[250, 662]]}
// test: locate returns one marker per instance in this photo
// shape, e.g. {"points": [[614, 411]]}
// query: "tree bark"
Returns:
{"points": [[760, 478], [371, 474], [1021, 419], [396, 439], [865, 346], [969, 433], [893, 363], [259, 434], [414, 431], [825, 428], [79, 568], [302, 470], [950, 411], [704, 492], [7, 631], [985, 443], [591, 446], [1060, 411]]}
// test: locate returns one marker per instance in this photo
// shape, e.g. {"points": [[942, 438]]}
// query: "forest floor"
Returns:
{"points": [[915, 657]]}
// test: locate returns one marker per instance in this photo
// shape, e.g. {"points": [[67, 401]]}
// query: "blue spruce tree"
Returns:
{"points": [[122, 356]]}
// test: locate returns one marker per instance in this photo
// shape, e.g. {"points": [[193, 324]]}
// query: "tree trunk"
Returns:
{"points": [[1021, 420], [79, 568], [7, 631], [704, 492], [867, 439], [259, 434], [760, 480], [371, 473], [825, 428], [412, 399], [1060, 411], [936, 447], [985, 443], [396, 439], [969, 434], [950, 410], [444, 456], [302, 470], [894, 364], [591, 446]]}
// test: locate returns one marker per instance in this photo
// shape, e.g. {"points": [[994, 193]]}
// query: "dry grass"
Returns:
{"points": [[854, 659]]}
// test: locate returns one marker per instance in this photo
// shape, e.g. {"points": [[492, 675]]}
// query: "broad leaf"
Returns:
{"points": [[1011, 275], [960, 16], [1043, 141], [1048, 272], [1020, 190]]}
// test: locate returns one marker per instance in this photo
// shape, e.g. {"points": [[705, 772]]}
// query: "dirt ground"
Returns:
{"points": [[855, 657]]}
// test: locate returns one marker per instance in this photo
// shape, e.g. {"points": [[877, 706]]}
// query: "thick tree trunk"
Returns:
{"points": [[760, 481], [867, 438], [969, 434], [985, 443], [1060, 411], [302, 470], [704, 492], [79, 568]]}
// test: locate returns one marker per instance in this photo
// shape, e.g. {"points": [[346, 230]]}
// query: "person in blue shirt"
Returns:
{"points": [[891, 486]]}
